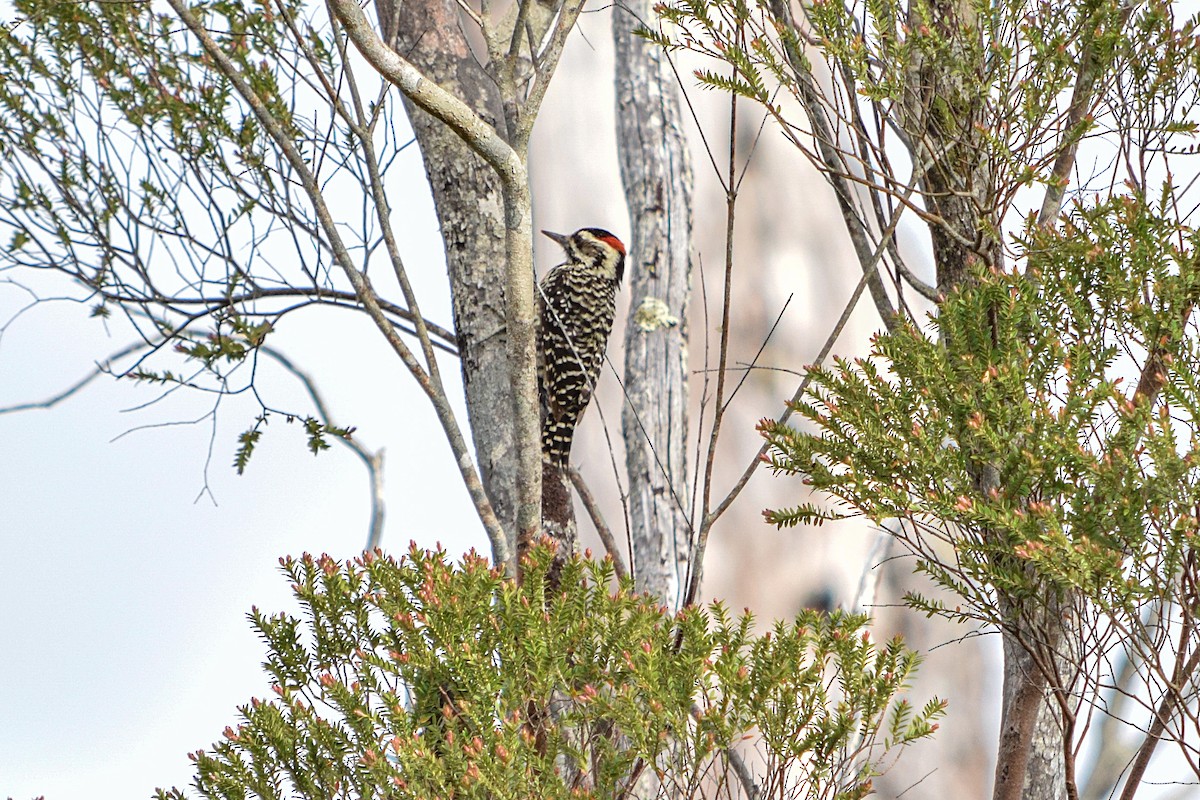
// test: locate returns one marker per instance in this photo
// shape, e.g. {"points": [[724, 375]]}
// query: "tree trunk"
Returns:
{"points": [[468, 197], [558, 518], [657, 175], [1029, 761], [944, 117]]}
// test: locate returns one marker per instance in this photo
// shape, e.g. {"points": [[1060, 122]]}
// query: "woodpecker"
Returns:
{"points": [[577, 302]]}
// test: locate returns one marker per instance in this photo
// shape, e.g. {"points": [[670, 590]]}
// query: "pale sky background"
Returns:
{"points": [[122, 606], [123, 596]]}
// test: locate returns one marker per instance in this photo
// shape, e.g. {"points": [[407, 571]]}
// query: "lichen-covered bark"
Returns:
{"points": [[468, 197], [657, 175]]}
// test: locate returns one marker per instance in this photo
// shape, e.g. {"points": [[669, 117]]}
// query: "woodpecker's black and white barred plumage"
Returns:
{"points": [[577, 302]]}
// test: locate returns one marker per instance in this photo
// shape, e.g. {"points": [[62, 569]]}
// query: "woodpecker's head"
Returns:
{"points": [[594, 248]]}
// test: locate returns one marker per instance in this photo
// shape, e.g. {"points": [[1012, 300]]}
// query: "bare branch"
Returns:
{"points": [[593, 508], [547, 61], [835, 170], [1082, 98], [430, 97], [1173, 699], [521, 311], [362, 287], [319, 295], [711, 517], [696, 562], [101, 368], [373, 460]]}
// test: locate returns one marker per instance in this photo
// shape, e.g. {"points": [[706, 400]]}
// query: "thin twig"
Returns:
{"points": [[605, 533], [455, 113], [834, 167], [1081, 102], [447, 343], [868, 581], [101, 368], [1166, 709], [546, 61], [744, 776], [761, 348], [724, 505], [621, 489], [695, 565], [373, 460]]}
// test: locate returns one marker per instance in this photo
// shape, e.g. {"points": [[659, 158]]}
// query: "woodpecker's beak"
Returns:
{"points": [[558, 237]]}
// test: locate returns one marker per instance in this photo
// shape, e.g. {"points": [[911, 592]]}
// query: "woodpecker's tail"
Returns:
{"points": [[556, 441]]}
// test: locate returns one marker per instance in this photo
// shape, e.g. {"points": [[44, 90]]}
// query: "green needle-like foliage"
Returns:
{"points": [[421, 678], [1030, 375], [130, 164], [1033, 445]]}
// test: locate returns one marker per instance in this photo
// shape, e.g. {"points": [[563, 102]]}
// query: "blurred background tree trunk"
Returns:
{"points": [[656, 172]]}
